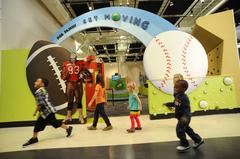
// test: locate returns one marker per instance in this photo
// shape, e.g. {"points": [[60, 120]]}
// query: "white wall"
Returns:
{"points": [[0, 28], [25, 22], [128, 69], [0, 42]]}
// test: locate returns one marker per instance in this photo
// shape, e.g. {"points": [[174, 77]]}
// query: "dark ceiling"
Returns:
{"points": [[171, 10], [232, 4]]}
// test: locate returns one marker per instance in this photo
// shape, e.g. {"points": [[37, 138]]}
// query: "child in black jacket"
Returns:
{"points": [[183, 114]]}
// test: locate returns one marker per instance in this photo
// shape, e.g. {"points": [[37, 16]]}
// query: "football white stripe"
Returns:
{"points": [[62, 106], [40, 50]]}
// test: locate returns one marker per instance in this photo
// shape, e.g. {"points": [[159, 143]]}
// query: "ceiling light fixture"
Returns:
{"points": [[78, 47], [90, 8], [171, 3], [191, 13]]}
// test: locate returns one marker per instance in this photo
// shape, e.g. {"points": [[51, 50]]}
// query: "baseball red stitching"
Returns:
{"points": [[168, 62], [184, 63]]}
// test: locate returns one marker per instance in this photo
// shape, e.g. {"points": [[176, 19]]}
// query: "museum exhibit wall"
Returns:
{"points": [[217, 34], [23, 23], [130, 70]]}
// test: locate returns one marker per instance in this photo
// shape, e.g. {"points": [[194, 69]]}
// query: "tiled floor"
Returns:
{"points": [[214, 148], [154, 131]]}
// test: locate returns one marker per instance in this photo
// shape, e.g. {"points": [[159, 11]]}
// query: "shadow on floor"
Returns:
{"points": [[215, 148]]}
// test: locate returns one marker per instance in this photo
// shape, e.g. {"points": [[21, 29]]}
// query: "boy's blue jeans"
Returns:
{"points": [[183, 128]]}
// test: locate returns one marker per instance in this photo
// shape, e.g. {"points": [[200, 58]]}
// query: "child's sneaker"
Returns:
{"points": [[91, 128], [30, 141], [132, 130], [108, 128], [67, 120], [138, 128], [182, 148], [81, 120], [196, 145], [69, 131]]}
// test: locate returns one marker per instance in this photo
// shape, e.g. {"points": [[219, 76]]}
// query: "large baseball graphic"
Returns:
{"points": [[175, 52], [45, 60]]}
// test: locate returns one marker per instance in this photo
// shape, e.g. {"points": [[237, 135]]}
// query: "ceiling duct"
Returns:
{"points": [[56, 8], [216, 7]]}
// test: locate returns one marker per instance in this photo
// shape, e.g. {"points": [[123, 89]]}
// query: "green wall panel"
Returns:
{"points": [[16, 100], [213, 91]]}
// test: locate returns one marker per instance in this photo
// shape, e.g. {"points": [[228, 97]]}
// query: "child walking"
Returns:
{"points": [[100, 97], [183, 114], [46, 111], [135, 106], [177, 77]]}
